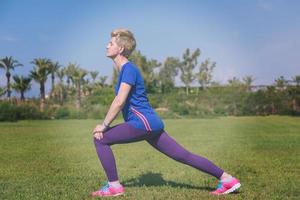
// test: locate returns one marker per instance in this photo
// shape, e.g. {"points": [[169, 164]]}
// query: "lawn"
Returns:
{"points": [[56, 159]]}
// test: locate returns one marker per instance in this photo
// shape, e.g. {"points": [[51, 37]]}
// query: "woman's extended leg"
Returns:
{"points": [[167, 145]]}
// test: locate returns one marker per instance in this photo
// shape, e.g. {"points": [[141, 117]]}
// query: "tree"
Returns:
{"points": [[234, 82], [205, 73], [86, 87], [187, 67], [235, 94], [294, 95], [53, 68], [8, 63], [272, 98], [152, 78], [280, 83], [94, 75], [60, 73], [77, 78], [102, 80], [294, 92], [40, 74], [22, 84], [2, 91], [114, 76], [69, 71], [296, 79], [248, 80], [167, 73], [147, 68]]}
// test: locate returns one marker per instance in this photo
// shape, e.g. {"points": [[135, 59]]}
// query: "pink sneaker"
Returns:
{"points": [[227, 187], [108, 191]]}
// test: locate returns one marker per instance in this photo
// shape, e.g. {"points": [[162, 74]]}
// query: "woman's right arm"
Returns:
{"points": [[115, 107]]}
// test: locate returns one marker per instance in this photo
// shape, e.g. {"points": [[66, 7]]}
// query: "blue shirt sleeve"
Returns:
{"points": [[129, 75]]}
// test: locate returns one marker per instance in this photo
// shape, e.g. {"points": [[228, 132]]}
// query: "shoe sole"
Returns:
{"points": [[233, 188], [115, 195], [119, 194]]}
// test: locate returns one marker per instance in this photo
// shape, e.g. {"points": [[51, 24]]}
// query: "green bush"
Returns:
{"points": [[8, 112], [74, 114], [62, 113], [28, 112], [220, 101], [97, 111], [13, 112]]}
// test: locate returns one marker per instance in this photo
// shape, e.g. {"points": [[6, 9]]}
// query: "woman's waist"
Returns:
{"points": [[141, 113], [148, 122]]}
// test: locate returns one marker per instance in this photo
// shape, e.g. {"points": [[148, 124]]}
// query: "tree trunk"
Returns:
{"points": [[273, 108], [42, 100], [295, 106], [61, 95], [68, 83], [22, 96], [8, 85], [187, 90], [52, 84], [78, 96]]}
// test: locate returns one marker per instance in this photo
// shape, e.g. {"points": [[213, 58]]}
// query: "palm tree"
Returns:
{"points": [[248, 80], [102, 80], [280, 83], [296, 79], [40, 74], [87, 87], [94, 75], [77, 78], [60, 74], [92, 86], [69, 70], [22, 84], [53, 68], [8, 63], [2, 91]]}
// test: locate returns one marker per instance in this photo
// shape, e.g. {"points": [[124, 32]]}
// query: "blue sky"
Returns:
{"points": [[245, 37]]}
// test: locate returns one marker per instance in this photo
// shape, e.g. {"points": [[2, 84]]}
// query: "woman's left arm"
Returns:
{"points": [[115, 107]]}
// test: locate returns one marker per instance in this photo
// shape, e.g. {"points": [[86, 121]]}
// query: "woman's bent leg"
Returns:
{"points": [[122, 133], [167, 145]]}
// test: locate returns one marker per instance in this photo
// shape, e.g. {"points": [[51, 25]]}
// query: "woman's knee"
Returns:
{"points": [[97, 141]]}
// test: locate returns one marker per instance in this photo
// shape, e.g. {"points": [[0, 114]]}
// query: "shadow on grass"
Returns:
{"points": [[155, 179]]}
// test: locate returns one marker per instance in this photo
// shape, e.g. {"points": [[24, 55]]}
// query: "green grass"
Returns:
{"points": [[57, 160]]}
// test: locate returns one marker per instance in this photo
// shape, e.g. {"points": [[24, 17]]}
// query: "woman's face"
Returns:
{"points": [[112, 48]]}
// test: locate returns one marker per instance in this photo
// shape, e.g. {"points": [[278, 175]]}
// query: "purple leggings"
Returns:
{"points": [[126, 133]]}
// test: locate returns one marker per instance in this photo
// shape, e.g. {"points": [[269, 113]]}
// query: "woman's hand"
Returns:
{"points": [[98, 131], [98, 135]]}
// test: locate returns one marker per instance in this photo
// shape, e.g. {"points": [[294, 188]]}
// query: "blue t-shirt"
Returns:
{"points": [[137, 110]]}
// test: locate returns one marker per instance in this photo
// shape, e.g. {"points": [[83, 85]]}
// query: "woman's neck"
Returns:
{"points": [[120, 61]]}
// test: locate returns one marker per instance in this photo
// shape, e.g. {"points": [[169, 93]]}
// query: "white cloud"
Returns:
{"points": [[7, 39], [264, 6]]}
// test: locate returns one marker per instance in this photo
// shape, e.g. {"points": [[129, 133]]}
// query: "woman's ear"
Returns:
{"points": [[121, 50]]}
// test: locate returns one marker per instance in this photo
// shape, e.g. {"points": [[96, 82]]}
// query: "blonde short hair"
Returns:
{"points": [[124, 38]]}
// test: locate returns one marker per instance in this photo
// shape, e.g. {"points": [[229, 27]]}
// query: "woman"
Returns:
{"points": [[141, 123]]}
